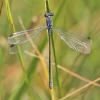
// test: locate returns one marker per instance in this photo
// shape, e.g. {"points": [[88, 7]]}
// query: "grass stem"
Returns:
{"points": [[19, 52], [48, 11]]}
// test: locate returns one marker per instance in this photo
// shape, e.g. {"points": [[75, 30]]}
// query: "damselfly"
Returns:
{"points": [[76, 41]]}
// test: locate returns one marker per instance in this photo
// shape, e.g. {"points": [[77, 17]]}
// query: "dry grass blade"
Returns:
{"points": [[9, 15], [80, 89], [68, 71], [78, 76], [39, 54]]}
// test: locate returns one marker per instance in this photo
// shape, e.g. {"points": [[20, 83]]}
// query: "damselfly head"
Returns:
{"points": [[48, 14]]}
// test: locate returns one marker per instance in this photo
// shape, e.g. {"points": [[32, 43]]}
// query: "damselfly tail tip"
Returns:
{"points": [[50, 87], [50, 84]]}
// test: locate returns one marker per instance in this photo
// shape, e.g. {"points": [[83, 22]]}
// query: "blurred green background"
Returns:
{"points": [[82, 16]]}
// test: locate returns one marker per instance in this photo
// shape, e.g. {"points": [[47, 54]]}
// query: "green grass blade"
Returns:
{"points": [[54, 51], [53, 45], [17, 95], [19, 52]]}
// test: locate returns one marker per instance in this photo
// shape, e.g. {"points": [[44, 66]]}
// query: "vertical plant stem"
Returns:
{"points": [[50, 67], [47, 6], [59, 90], [19, 53], [57, 73]]}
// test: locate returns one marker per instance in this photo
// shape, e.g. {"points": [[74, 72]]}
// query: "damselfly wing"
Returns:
{"points": [[76, 41]]}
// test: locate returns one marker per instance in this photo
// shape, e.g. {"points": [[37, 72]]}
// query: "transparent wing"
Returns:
{"points": [[76, 41], [23, 46], [23, 36]]}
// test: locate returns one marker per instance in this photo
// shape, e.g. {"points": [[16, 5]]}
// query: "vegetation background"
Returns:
{"points": [[76, 70]]}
